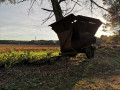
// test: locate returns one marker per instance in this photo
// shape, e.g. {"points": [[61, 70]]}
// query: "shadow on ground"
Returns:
{"points": [[102, 72]]}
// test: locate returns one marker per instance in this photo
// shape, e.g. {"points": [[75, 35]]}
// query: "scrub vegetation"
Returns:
{"points": [[42, 70]]}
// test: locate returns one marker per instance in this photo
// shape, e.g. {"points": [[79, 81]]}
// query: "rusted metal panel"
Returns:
{"points": [[65, 39]]}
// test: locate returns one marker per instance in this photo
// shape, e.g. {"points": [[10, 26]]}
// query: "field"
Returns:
{"points": [[11, 54], [40, 69], [9, 47]]}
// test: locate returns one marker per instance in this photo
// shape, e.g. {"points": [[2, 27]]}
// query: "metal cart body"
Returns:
{"points": [[76, 34]]}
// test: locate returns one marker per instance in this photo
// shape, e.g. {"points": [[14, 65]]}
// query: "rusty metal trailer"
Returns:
{"points": [[76, 34]]}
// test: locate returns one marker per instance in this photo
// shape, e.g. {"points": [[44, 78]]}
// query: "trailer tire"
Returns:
{"points": [[89, 51]]}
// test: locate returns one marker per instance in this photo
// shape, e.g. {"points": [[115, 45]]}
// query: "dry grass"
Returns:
{"points": [[9, 47]]}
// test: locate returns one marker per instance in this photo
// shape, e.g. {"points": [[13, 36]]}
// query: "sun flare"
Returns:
{"points": [[108, 28]]}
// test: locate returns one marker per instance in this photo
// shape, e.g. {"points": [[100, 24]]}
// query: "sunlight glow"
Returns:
{"points": [[100, 30], [108, 28]]}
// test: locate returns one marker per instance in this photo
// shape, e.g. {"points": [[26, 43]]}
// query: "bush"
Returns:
{"points": [[21, 57]]}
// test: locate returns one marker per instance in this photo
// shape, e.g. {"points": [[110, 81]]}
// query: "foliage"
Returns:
{"points": [[99, 41], [26, 57], [35, 42], [108, 40], [113, 17]]}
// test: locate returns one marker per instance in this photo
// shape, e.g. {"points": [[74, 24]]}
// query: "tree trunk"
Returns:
{"points": [[57, 10]]}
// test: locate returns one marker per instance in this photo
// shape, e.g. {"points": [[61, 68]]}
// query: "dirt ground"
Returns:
{"points": [[99, 73]]}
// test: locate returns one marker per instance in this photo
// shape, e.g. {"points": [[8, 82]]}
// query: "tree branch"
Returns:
{"points": [[41, 2], [50, 16], [91, 8], [57, 10], [21, 1], [76, 2], [31, 6], [52, 10], [72, 8], [47, 10], [99, 6], [61, 1]]}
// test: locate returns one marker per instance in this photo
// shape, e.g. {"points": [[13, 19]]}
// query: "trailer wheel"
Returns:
{"points": [[89, 51]]}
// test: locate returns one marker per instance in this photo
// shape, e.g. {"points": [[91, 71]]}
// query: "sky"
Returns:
{"points": [[17, 24]]}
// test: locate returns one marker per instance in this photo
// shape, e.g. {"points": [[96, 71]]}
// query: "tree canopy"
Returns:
{"points": [[113, 17]]}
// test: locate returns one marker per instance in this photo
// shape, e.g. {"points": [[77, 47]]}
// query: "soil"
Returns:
{"points": [[100, 73]]}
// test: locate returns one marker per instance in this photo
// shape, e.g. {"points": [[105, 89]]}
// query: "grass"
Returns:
{"points": [[79, 73]]}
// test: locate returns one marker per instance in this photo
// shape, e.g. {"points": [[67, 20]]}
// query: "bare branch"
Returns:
{"points": [[50, 16], [91, 8], [32, 3], [99, 6], [61, 1], [76, 2], [52, 10], [21, 1], [72, 8], [66, 6], [31, 6], [47, 10], [37, 2], [41, 2]]}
